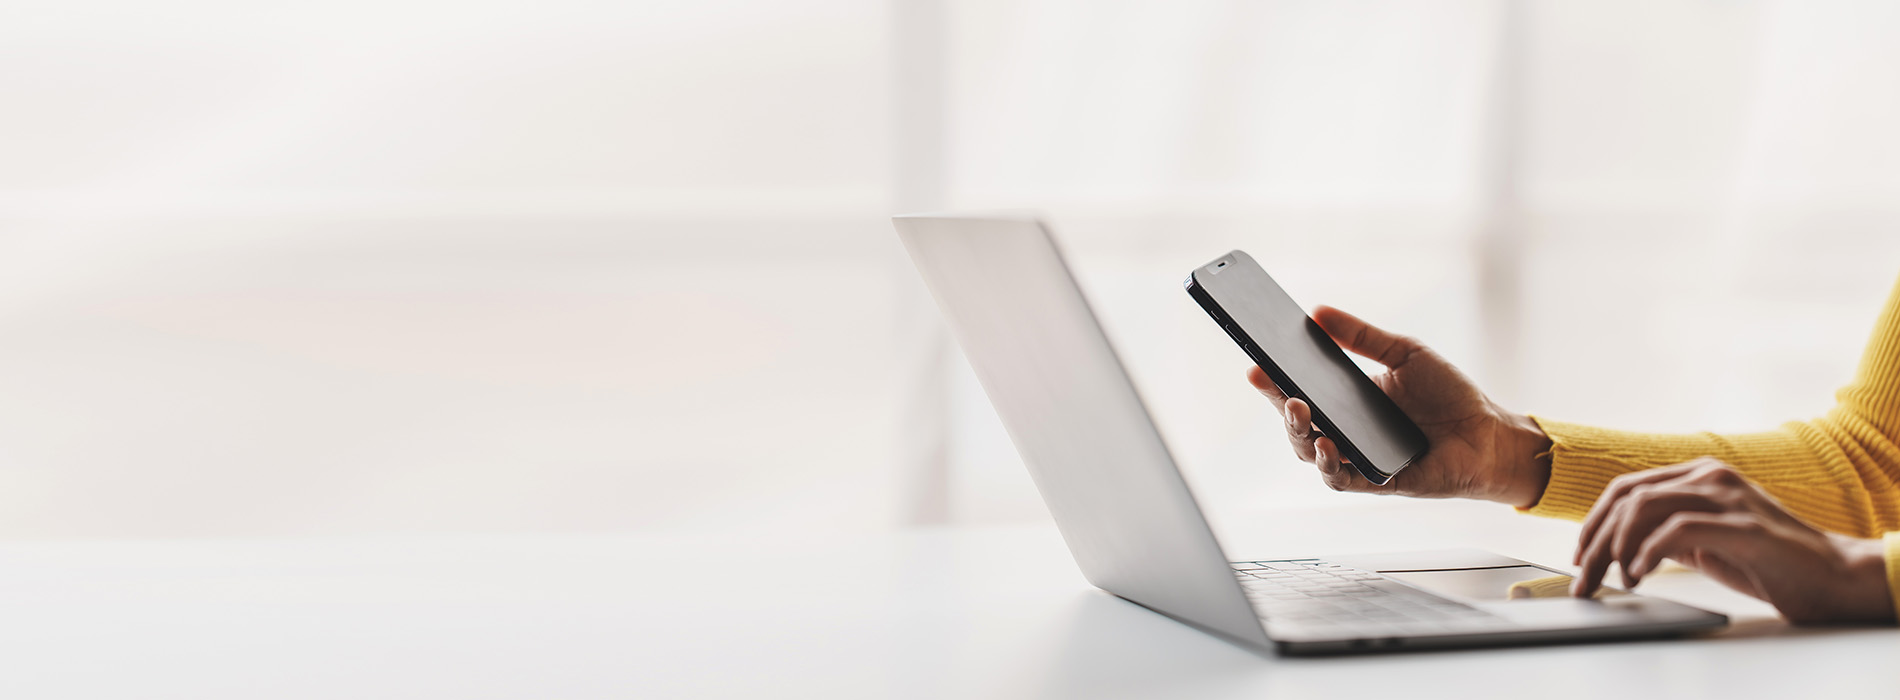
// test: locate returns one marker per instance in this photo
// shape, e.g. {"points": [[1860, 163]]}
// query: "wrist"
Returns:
{"points": [[1521, 459], [1865, 593]]}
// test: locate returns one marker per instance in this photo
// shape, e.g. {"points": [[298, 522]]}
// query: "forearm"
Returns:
{"points": [[1840, 472], [1792, 463], [1803, 465], [1890, 558]]}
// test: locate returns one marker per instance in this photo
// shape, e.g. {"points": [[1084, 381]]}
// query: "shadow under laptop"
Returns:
{"points": [[1109, 648], [1116, 649]]}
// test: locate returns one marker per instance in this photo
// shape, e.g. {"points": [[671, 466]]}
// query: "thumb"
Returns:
{"points": [[1364, 339]]}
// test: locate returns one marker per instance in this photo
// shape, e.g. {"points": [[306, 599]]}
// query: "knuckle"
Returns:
{"points": [[1649, 497], [1639, 498], [1673, 525], [1712, 470], [1701, 497], [1334, 476]]}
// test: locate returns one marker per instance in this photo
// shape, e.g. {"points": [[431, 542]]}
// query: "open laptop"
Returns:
{"points": [[1132, 523]]}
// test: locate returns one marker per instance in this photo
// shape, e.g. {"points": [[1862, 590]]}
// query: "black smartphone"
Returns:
{"points": [[1370, 431]]}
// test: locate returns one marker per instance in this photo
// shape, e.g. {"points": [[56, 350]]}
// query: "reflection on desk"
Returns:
{"points": [[990, 613]]}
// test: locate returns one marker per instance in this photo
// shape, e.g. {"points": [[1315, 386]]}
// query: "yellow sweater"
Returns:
{"points": [[1840, 472]]}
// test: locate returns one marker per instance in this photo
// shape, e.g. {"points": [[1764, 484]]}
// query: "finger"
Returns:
{"points": [[1299, 429], [1646, 510], [1614, 493], [1364, 339], [1596, 550], [1340, 475], [1593, 560], [1726, 484], [1730, 533], [1258, 378], [1334, 472]]}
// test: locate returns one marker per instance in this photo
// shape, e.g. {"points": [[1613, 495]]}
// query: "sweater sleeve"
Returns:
{"points": [[1840, 472]]}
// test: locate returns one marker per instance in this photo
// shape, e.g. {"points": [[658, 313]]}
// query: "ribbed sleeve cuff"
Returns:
{"points": [[1892, 540], [1583, 460]]}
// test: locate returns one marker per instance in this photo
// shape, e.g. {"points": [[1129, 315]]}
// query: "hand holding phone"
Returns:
{"points": [[1478, 449], [1372, 434]]}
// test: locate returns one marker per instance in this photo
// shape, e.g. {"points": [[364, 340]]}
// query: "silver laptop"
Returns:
{"points": [[1135, 528]]}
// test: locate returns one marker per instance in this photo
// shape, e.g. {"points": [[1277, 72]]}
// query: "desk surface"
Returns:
{"points": [[991, 613]]}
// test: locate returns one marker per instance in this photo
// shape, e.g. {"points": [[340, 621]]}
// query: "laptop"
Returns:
{"points": [[1134, 527]]}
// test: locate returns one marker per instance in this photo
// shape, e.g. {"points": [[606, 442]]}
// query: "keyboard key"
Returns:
{"points": [[1319, 596]]}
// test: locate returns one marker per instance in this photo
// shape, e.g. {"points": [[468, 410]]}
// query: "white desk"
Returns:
{"points": [[991, 613]]}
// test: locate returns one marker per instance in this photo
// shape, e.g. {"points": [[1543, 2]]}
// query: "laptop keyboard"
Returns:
{"points": [[1310, 595]]}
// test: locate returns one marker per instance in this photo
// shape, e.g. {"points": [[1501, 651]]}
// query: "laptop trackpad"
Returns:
{"points": [[1494, 584]]}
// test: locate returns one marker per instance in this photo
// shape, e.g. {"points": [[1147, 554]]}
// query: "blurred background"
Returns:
{"points": [[419, 266]]}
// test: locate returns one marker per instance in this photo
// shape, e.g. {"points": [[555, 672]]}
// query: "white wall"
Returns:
{"points": [[442, 266], [565, 265], [1699, 206]]}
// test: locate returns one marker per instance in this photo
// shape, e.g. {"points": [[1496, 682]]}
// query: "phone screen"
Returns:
{"points": [[1371, 432]]}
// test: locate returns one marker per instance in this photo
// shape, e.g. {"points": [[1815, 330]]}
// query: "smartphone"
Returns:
{"points": [[1371, 432]]}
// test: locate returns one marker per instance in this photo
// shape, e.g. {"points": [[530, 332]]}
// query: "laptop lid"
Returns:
{"points": [[1101, 466]]}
